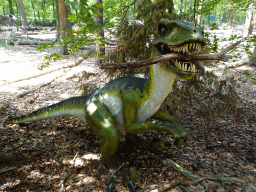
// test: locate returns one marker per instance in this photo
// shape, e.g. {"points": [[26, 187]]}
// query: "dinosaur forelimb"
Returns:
{"points": [[172, 56]]}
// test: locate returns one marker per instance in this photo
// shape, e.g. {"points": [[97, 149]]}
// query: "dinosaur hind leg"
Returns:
{"points": [[102, 123]]}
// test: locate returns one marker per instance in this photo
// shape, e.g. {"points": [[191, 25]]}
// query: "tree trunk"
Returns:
{"points": [[10, 7], [199, 17], [34, 10], [181, 5], [185, 6], [67, 13], [100, 46], [190, 4], [64, 11], [224, 17], [57, 20], [43, 9], [170, 7], [23, 14], [252, 60], [248, 20], [190, 13]]}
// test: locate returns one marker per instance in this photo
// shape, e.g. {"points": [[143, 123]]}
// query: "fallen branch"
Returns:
{"points": [[30, 42], [196, 179], [6, 169], [69, 173], [49, 154], [219, 56], [33, 90]]}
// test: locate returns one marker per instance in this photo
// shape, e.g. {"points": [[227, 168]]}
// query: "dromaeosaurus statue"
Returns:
{"points": [[123, 105]]}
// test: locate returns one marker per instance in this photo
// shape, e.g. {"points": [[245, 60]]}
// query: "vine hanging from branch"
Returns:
{"points": [[219, 56]]}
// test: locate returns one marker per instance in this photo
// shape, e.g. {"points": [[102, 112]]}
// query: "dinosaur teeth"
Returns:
{"points": [[191, 48], [193, 68], [184, 66]]}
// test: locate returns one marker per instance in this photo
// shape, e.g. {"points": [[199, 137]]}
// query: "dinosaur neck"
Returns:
{"points": [[158, 86]]}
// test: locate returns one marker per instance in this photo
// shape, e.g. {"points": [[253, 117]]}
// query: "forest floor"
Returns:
{"points": [[46, 152]]}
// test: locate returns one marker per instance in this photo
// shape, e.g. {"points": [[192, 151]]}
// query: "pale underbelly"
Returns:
{"points": [[114, 104]]}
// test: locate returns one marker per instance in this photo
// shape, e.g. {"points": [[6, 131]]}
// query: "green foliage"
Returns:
{"points": [[252, 77], [82, 35]]}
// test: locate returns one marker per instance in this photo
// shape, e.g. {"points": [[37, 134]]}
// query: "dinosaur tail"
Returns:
{"points": [[73, 107]]}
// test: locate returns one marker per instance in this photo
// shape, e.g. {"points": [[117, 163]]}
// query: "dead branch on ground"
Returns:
{"points": [[6, 169], [49, 154], [69, 173], [195, 179], [172, 56]]}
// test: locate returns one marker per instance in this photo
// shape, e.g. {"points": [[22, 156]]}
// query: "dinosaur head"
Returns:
{"points": [[175, 36]]}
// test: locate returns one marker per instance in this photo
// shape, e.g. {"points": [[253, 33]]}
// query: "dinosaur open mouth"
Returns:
{"points": [[187, 48]]}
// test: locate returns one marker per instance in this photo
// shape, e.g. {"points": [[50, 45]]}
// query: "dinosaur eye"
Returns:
{"points": [[194, 31], [162, 29]]}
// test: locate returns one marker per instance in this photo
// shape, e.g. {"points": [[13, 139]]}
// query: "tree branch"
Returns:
{"points": [[219, 56]]}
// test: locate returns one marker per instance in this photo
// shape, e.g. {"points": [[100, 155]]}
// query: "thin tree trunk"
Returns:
{"points": [[248, 20], [252, 59], [63, 50], [190, 4], [57, 20], [43, 9], [67, 13], [10, 7], [100, 46], [190, 13], [23, 14], [64, 11], [170, 7], [224, 17], [181, 5], [185, 7], [199, 17]]}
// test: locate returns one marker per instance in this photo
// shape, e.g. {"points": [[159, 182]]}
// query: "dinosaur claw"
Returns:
{"points": [[130, 186], [181, 140], [111, 186]]}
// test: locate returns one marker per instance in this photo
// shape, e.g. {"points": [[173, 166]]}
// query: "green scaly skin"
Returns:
{"points": [[123, 105]]}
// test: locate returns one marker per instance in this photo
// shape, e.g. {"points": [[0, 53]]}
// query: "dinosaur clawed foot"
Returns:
{"points": [[180, 140], [118, 167], [122, 163]]}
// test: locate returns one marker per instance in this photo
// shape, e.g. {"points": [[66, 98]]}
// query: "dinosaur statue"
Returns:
{"points": [[123, 105]]}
